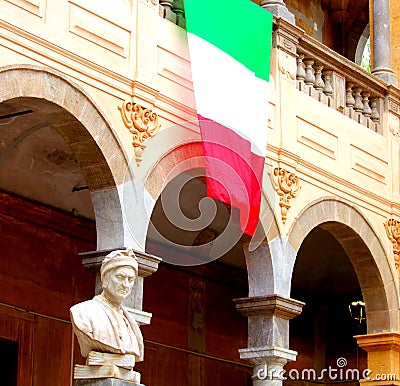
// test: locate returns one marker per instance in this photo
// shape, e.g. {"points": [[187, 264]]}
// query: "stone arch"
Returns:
{"points": [[70, 110], [179, 159], [365, 251], [189, 156], [184, 157], [362, 42]]}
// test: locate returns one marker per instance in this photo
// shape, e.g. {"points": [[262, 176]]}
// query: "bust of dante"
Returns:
{"points": [[102, 324]]}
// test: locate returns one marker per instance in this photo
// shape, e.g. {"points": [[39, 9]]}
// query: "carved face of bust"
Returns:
{"points": [[118, 283]]}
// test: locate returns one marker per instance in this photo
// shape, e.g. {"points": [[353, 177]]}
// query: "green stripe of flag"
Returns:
{"points": [[240, 28]]}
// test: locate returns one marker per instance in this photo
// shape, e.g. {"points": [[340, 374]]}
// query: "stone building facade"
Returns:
{"points": [[99, 150]]}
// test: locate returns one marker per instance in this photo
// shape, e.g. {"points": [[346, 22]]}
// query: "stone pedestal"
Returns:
{"points": [[268, 336], [105, 382]]}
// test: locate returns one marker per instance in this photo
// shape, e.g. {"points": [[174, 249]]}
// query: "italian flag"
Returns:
{"points": [[229, 45]]}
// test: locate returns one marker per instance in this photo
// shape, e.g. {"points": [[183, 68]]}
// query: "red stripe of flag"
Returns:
{"points": [[233, 172]]}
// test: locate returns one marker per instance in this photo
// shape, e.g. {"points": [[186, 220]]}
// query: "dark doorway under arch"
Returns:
{"points": [[325, 280]]}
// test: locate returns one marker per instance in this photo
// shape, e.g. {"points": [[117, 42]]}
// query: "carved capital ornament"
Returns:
{"points": [[141, 122], [392, 227], [287, 186]]}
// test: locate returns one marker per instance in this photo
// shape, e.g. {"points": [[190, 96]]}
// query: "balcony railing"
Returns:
{"points": [[339, 83], [322, 74], [173, 11]]}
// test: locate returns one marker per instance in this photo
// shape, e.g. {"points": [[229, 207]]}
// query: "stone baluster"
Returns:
{"points": [[167, 4], [180, 13], [375, 116], [300, 73], [319, 82], [168, 14], [366, 107], [310, 77], [358, 105], [328, 88], [350, 101]]}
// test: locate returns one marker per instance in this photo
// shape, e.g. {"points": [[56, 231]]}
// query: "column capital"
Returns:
{"points": [[383, 358], [148, 264], [270, 305], [264, 355], [379, 341]]}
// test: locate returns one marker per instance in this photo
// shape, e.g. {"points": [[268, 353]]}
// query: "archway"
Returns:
{"points": [[325, 280], [69, 110], [353, 267], [201, 276], [58, 192], [365, 252]]}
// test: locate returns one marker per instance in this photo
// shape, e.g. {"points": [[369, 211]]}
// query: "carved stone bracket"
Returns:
{"points": [[392, 227], [287, 185], [141, 122]]}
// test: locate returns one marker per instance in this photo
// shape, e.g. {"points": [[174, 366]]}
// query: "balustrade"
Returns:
{"points": [[173, 11], [324, 75], [339, 83]]}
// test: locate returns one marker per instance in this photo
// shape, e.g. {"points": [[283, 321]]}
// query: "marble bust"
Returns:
{"points": [[103, 324]]}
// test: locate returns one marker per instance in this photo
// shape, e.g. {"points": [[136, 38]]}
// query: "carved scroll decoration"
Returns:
{"points": [[141, 122], [287, 185], [392, 227], [287, 75]]}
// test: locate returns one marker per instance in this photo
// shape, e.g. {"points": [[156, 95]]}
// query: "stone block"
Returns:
{"points": [[53, 86], [74, 101]]}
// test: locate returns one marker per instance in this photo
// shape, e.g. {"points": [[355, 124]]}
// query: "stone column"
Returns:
{"points": [[278, 8], [148, 264], [382, 62], [268, 336], [383, 358]]}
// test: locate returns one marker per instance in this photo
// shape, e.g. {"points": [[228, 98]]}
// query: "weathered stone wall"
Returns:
{"points": [[41, 277]]}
